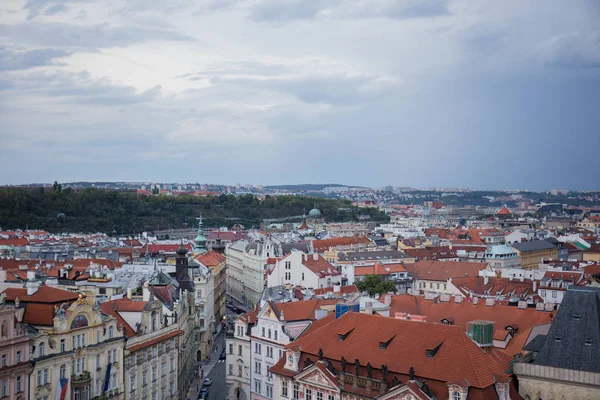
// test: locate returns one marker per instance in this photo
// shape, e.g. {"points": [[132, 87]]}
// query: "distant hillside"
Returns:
{"points": [[97, 210], [306, 187]]}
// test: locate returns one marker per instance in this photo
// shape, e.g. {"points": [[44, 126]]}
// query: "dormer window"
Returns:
{"points": [[456, 395], [343, 336], [588, 342], [576, 316], [433, 352]]}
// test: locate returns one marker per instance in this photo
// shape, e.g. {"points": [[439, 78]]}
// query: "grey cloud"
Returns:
{"points": [[50, 7], [572, 51], [334, 89], [56, 9], [77, 89], [89, 36], [12, 60], [274, 10]]}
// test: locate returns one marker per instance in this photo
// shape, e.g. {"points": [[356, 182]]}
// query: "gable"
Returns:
{"points": [[318, 377], [268, 313]]}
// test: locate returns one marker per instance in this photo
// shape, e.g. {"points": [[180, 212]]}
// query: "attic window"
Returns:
{"points": [[343, 336], [384, 345], [433, 352], [576, 316], [557, 339]]}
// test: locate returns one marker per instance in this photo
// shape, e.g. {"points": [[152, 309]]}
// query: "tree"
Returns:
{"points": [[374, 284]]}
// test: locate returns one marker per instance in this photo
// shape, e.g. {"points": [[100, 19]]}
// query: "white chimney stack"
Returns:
{"points": [[369, 308], [534, 285]]}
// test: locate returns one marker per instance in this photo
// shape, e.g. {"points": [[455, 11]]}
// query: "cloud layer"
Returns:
{"points": [[480, 94]]}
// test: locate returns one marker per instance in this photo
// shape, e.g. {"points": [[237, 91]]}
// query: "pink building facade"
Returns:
{"points": [[14, 355]]}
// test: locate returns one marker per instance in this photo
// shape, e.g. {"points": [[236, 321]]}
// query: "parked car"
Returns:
{"points": [[203, 395], [223, 356], [207, 382]]}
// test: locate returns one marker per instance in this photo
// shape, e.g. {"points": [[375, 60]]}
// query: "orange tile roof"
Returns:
{"points": [[458, 358], [343, 290], [504, 211], [297, 310], [442, 270], [113, 307], [495, 286]]}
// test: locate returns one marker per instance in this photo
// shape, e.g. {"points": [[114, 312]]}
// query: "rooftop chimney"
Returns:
{"points": [[369, 308], [534, 285]]}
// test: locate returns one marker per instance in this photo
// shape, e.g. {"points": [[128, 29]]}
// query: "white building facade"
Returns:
{"points": [[306, 270]]}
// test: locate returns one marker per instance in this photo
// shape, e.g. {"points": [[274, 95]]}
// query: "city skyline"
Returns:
{"points": [[437, 94]]}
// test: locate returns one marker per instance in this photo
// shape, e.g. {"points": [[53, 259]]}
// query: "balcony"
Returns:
{"points": [[111, 394], [84, 377]]}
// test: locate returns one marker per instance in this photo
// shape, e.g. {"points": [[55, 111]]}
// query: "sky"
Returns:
{"points": [[458, 93]]}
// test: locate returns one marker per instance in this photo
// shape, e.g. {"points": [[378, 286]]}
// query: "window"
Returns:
{"points": [[111, 332], [269, 334], [83, 339], [288, 276], [230, 349], [63, 345], [144, 378], [288, 265], [154, 374], [98, 336], [163, 369], [4, 388], [42, 349], [257, 365], [263, 331], [39, 378], [19, 384], [456, 395], [542, 293], [240, 371], [438, 286], [257, 348], [329, 397], [554, 294], [303, 276], [257, 386], [239, 350], [109, 357], [63, 371], [284, 389], [230, 369], [4, 359], [172, 364], [45, 375], [280, 354], [275, 333], [269, 391], [132, 381], [98, 361], [296, 392], [308, 394], [319, 395], [18, 356]]}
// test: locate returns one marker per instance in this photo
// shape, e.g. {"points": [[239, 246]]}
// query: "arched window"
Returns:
{"points": [[456, 395], [63, 371], [42, 349]]}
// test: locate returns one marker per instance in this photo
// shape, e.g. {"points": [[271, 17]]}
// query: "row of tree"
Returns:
{"points": [[97, 210]]}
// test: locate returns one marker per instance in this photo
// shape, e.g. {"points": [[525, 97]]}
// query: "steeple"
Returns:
{"points": [[200, 240], [181, 270]]}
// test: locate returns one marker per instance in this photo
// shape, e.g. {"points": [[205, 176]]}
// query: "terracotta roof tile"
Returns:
{"points": [[442, 270], [326, 244], [210, 258], [44, 294]]}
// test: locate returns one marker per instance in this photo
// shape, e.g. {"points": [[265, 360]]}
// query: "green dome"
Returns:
{"points": [[314, 213]]}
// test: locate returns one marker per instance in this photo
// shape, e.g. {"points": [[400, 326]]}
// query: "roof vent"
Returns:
{"points": [[475, 300], [490, 302], [522, 305], [458, 298]]}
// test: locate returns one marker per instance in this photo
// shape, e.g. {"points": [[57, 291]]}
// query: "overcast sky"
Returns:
{"points": [[468, 93]]}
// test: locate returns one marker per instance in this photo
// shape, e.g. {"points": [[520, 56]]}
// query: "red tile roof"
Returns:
{"points": [[457, 359], [504, 211], [296, 310], [39, 314], [475, 285], [156, 340], [44, 294], [462, 313], [321, 267], [19, 242], [378, 269], [326, 244], [343, 290], [113, 307], [210, 258], [167, 248], [442, 270]]}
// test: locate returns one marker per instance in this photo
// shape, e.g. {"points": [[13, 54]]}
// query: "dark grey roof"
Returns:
{"points": [[372, 255], [536, 344], [573, 341], [304, 246], [533, 245]]}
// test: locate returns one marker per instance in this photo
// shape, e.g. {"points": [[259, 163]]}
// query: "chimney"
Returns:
{"points": [[52, 281], [475, 300], [315, 256], [129, 293], [369, 308], [485, 279], [387, 299], [535, 286], [146, 292], [32, 287]]}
